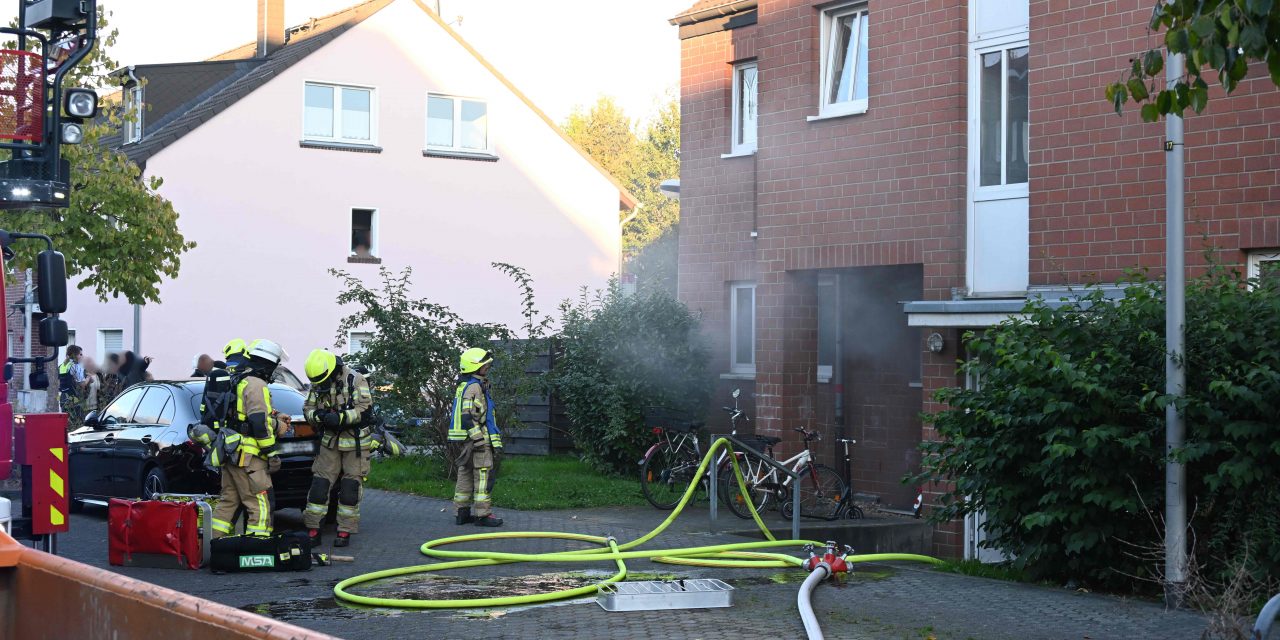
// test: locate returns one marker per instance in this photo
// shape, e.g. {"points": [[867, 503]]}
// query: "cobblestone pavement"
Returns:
{"points": [[899, 601]]}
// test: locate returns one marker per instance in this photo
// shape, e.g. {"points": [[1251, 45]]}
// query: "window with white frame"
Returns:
{"points": [[742, 328], [133, 114], [364, 233], [356, 341], [109, 341], [457, 124], [336, 113], [1265, 265], [1004, 130], [745, 93], [844, 60]]}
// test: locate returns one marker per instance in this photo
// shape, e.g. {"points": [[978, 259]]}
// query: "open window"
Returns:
{"points": [[745, 113], [844, 60], [364, 236], [133, 107]]}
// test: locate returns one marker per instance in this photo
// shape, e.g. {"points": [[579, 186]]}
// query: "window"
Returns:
{"points": [[364, 233], [133, 114], [1004, 129], [334, 113], [1265, 265], [745, 94], [844, 61], [356, 341], [152, 405], [109, 341], [457, 124], [121, 409], [742, 328], [62, 353]]}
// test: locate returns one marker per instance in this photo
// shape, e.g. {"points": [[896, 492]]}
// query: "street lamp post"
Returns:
{"points": [[1175, 491]]}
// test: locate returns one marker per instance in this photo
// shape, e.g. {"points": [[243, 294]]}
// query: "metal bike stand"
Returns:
{"points": [[748, 449]]}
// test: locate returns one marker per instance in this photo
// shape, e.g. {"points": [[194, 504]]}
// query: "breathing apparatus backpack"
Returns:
{"points": [[215, 408]]}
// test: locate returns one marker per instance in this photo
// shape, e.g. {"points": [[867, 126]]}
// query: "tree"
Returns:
{"points": [[639, 161], [119, 236], [1219, 35]]}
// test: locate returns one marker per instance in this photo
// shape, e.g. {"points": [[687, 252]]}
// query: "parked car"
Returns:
{"points": [[137, 447]]}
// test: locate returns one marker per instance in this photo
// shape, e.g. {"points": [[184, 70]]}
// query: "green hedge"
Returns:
{"points": [[1063, 445]]}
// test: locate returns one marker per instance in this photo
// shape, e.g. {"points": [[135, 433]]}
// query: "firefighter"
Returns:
{"points": [[473, 427], [246, 475], [234, 354], [340, 407]]}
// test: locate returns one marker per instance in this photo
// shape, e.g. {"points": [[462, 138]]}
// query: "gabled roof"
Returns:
{"points": [[183, 96]]}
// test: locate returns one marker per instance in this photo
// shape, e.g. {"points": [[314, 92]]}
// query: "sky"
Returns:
{"points": [[561, 53]]}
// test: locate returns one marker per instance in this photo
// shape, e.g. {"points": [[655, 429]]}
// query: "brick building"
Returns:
{"points": [[860, 179]]}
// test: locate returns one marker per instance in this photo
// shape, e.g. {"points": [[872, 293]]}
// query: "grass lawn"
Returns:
{"points": [[532, 483]]}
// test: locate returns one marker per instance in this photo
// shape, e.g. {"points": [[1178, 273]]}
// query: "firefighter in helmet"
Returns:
{"points": [[234, 354], [340, 407], [473, 427], [246, 475]]}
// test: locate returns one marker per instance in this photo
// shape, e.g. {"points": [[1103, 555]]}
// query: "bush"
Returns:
{"points": [[415, 347], [1063, 444], [619, 355]]}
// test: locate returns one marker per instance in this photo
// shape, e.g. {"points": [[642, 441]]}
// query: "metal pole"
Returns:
{"points": [[137, 330], [795, 508], [1175, 495]]}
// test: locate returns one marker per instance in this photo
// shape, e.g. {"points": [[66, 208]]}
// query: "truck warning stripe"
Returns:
{"points": [[56, 483]]}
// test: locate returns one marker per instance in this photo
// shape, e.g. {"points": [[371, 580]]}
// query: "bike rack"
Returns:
{"points": [[746, 448]]}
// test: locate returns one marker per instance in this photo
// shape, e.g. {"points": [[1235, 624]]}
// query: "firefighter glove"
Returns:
{"points": [[331, 419]]}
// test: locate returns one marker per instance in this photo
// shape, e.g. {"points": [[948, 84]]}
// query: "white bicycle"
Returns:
{"points": [[821, 488]]}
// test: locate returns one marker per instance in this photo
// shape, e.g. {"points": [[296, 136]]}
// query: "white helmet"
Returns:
{"points": [[267, 350]]}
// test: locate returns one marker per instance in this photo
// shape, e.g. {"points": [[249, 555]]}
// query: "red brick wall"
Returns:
{"points": [[1097, 179]]}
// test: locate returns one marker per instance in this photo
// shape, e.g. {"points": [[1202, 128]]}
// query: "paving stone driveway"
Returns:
{"points": [[883, 601]]}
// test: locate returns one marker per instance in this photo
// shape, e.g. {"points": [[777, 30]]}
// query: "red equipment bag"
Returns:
{"points": [[151, 533]]}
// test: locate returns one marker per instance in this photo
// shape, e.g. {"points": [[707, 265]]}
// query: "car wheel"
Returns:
{"points": [[154, 483]]}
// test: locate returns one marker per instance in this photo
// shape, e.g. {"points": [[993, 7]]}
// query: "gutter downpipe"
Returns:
{"points": [[805, 604]]}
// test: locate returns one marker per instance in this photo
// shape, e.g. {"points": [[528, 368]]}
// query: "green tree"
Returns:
{"points": [[640, 160], [119, 236], [1214, 35]]}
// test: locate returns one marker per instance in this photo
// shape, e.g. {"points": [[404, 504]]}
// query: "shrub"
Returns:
{"points": [[618, 355], [1063, 443], [415, 347]]}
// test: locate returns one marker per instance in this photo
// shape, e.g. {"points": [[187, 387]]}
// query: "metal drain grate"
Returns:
{"points": [[656, 595]]}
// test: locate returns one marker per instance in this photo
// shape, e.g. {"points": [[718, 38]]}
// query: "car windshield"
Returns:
{"points": [[283, 399]]}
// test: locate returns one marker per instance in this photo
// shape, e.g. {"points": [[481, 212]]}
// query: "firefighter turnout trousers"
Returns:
{"points": [[244, 487], [475, 480], [347, 470]]}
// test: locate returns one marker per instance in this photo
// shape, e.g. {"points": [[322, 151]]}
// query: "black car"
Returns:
{"points": [[137, 447]]}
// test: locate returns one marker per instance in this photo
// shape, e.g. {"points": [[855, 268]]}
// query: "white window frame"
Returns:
{"points": [[133, 104], [457, 124], [62, 351], [1259, 256], [354, 332], [337, 114], [977, 50], [744, 368], [102, 343], [829, 18], [373, 231], [738, 147]]}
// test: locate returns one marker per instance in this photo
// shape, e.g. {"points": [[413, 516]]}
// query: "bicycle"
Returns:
{"points": [[821, 488], [669, 465]]}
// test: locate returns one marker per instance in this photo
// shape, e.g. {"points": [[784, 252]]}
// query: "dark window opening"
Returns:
{"points": [[362, 233]]}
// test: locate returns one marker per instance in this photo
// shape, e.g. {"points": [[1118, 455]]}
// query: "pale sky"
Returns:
{"points": [[561, 53]]}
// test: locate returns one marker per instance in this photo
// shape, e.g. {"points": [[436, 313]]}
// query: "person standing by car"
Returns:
{"points": [[133, 369], [246, 477], [92, 385], [111, 383], [71, 383], [340, 406], [203, 364], [473, 426]]}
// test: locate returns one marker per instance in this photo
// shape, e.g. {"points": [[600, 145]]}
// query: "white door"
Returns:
{"points": [[999, 137]]}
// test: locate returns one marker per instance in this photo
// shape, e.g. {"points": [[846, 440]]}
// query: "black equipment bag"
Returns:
{"points": [[280, 552]]}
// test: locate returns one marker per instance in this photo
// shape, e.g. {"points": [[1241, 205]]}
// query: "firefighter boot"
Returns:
{"points": [[464, 516], [489, 521], [342, 540], [314, 536]]}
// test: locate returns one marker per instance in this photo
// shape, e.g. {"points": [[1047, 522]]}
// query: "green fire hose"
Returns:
{"points": [[736, 555]]}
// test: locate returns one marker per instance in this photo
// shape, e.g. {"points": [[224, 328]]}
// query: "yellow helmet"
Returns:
{"points": [[320, 365], [474, 359], [235, 347]]}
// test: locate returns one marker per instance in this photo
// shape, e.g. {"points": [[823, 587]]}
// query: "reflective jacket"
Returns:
{"points": [[473, 414], [349, 395], [67, 377], [254, 420]]}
